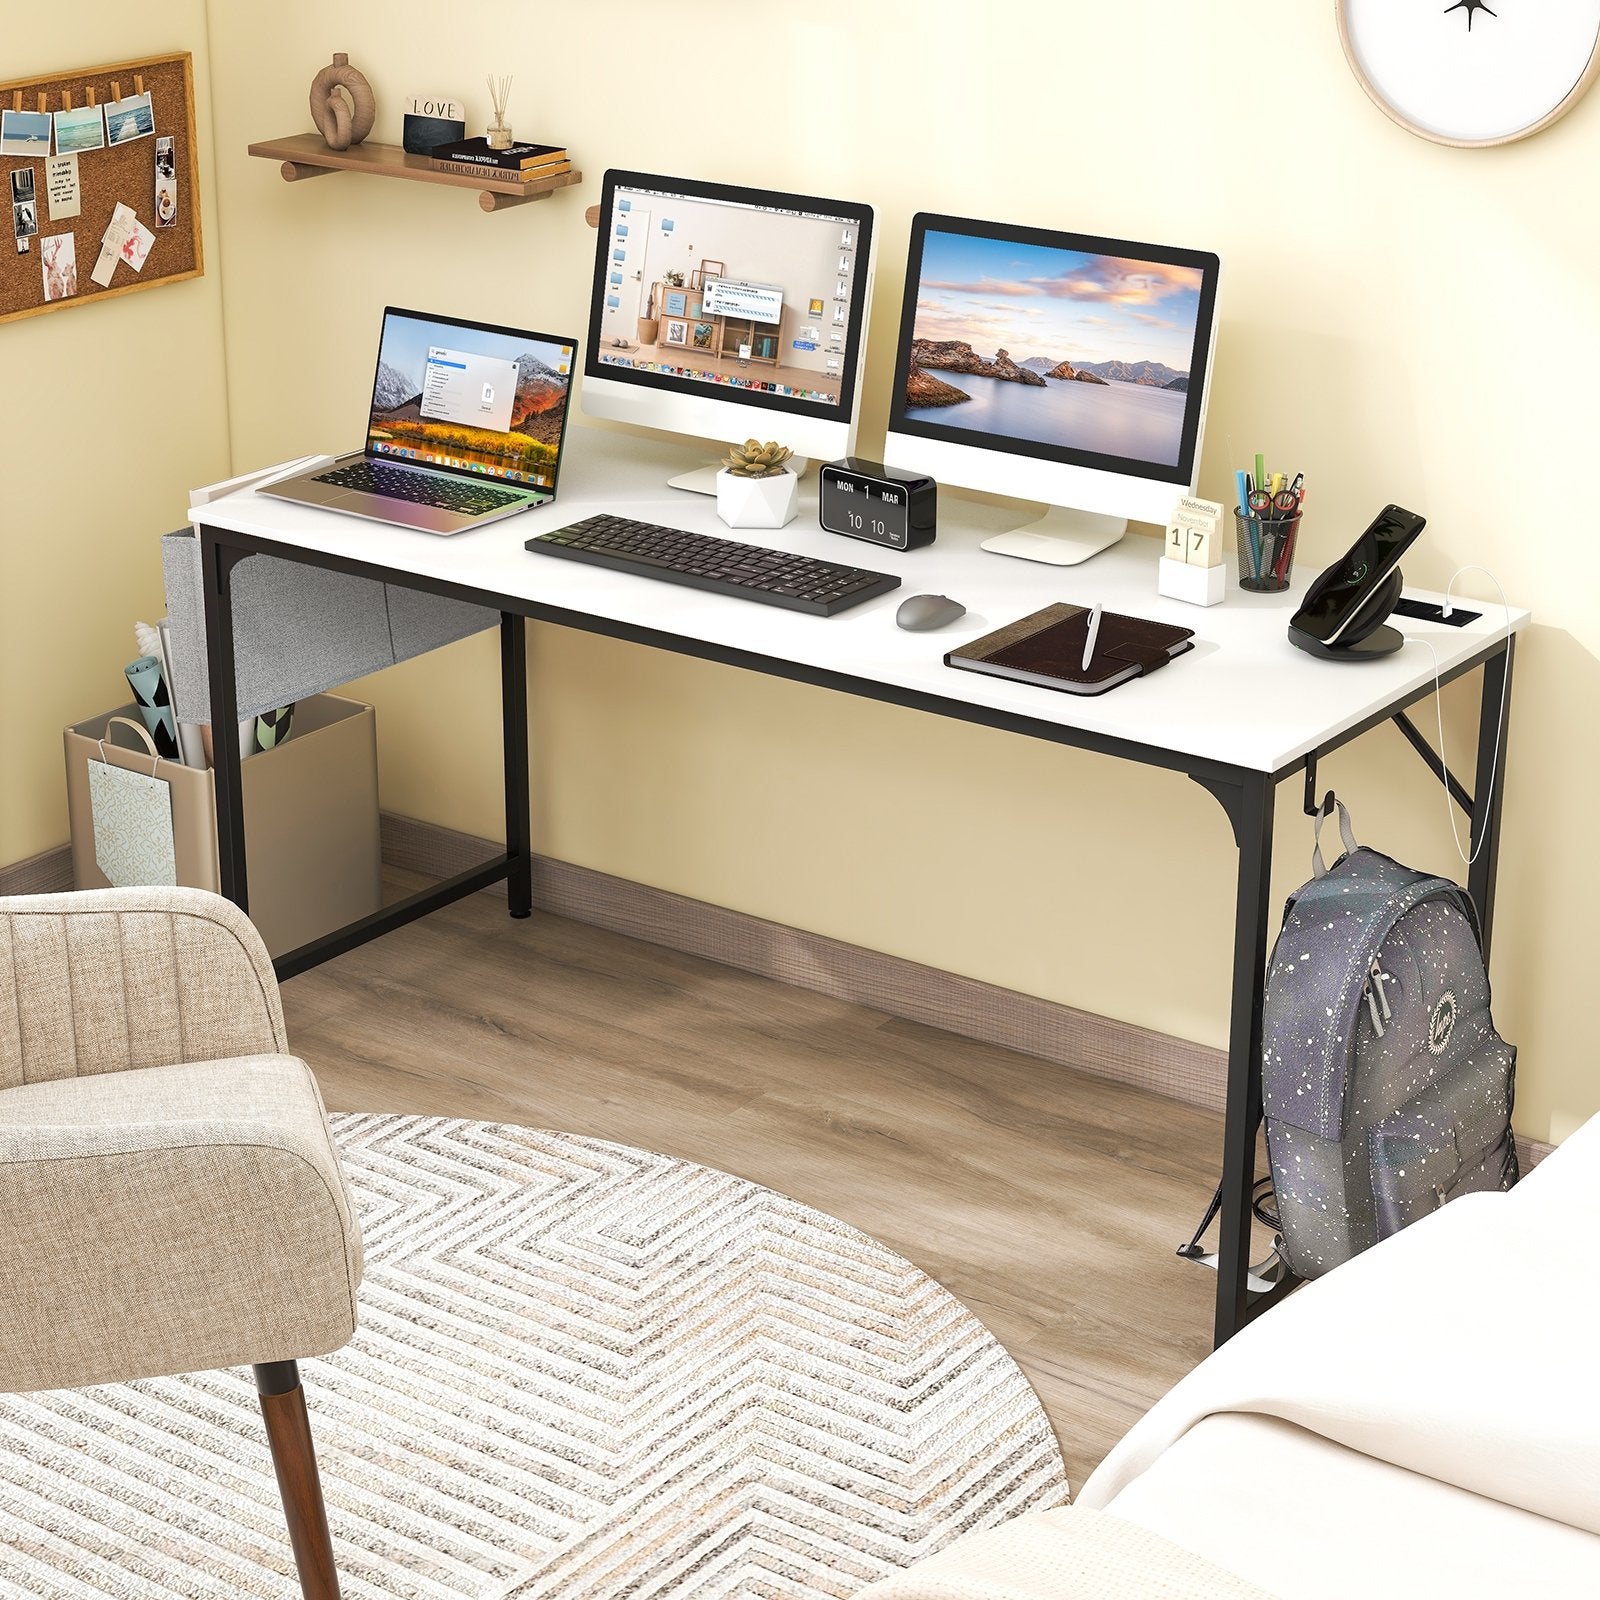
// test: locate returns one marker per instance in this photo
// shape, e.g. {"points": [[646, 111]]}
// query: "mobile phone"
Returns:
{"points": [[1340, 594]]}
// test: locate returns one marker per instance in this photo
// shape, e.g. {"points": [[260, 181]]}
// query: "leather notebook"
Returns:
{"points": [[1046, 648]]}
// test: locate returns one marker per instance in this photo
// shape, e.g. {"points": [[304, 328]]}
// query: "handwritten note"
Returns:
{"points": [[61, 185]]}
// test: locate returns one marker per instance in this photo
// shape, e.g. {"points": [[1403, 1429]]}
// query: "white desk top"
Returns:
{"points": [[1244, 696]]}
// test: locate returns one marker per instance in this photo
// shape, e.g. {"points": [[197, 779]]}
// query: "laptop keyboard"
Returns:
{"points": [[419, 488]]}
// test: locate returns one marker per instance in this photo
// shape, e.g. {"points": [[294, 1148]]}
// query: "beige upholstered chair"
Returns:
{"points": [[170, 1197]]}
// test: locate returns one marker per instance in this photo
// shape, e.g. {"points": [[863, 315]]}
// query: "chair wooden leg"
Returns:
{"points": [[283, 1404]]}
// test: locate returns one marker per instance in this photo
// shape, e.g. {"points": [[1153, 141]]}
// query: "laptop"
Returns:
{"points": [[465, 427]]}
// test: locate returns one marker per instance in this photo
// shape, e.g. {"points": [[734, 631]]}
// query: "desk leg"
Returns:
{"points": [[514, 714], [1488, 802], [1249, 808], [217, 561]]}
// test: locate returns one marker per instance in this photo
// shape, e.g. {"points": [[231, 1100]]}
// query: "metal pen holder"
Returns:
{"points": [[1266, 550]]}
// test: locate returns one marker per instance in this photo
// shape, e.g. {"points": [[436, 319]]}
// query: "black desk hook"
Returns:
{"points": [[1329, 800]]}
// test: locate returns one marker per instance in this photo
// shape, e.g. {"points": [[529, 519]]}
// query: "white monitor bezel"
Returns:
{"points": [[686, 406]]}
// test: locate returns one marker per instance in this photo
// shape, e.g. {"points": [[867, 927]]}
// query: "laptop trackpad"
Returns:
{"points": [[313, 493], [432, 519]]}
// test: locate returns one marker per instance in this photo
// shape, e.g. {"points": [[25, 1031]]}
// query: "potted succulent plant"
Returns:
{"points": [[756, 488]]}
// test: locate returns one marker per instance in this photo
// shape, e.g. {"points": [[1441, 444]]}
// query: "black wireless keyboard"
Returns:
{"points": [[769, 577], [419, 488]]}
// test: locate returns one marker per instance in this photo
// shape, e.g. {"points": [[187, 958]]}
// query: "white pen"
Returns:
{"points": [[1094, 633]]}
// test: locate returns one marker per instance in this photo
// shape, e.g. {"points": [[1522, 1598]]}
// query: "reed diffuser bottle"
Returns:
{"points": [[499, 135]]}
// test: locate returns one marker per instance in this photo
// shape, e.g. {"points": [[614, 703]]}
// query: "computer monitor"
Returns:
{"points": [[724, 312], [1057, 367]]}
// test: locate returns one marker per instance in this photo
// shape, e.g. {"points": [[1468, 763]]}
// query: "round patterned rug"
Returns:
{"points": [[583, 1372]]}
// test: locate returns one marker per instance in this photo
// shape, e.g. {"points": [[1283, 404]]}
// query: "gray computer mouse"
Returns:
{"points": [[923, 612]]}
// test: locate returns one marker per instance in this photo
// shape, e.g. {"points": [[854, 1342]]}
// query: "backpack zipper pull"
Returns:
{"points": [[1377, 996], [1379, 979]]}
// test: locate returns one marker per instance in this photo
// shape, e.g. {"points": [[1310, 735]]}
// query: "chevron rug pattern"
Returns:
{"points": [[584, 1372]]}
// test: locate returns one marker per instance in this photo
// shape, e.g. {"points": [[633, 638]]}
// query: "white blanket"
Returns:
{"points": [[1064, 1554], [1466, 1348]]}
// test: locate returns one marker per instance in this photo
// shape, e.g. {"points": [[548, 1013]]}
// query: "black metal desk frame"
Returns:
{"points": [[1246, 796]]}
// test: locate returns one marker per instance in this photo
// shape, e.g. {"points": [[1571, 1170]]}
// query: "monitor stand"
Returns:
{"points": [[703, 480], [1061, 537]]}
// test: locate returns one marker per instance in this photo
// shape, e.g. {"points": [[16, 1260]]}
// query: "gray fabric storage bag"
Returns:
{"points": [[420, 622], [1385, 1087], [298, 630]]}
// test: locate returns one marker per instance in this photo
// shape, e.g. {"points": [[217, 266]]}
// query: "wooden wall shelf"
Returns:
{"points": [[304, 155]]}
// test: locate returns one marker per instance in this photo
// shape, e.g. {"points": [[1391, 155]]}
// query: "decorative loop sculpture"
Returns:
{"points": [[342, 125]]}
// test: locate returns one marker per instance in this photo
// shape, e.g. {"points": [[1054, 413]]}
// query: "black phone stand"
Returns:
{"points": [[1366, 637]]}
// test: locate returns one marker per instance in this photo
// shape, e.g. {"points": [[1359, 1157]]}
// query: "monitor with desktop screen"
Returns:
{"points": [[724, 312], [1054, 367]]}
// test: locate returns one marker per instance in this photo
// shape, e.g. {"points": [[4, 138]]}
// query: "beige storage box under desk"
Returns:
{"points": [[310, 818]]}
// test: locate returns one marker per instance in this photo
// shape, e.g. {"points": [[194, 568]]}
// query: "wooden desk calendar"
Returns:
{"points": [[123, 172]]}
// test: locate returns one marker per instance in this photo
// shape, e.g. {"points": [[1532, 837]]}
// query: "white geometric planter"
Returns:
{"points": [[757, 502]]}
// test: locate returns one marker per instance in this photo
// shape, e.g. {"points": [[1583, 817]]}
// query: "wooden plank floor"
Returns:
{"points": [[1050, 1201]]}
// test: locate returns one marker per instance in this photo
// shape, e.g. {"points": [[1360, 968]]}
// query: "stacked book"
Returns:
{"points": [[522, 163]]}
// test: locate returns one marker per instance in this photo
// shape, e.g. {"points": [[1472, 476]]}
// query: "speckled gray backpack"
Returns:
{"points": [[1387, 1090]]}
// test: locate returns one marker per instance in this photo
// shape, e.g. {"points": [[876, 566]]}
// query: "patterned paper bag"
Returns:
{"points": [[132, 811]]}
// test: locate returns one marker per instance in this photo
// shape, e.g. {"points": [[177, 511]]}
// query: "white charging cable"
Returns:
{"points": [[1482, 800]]}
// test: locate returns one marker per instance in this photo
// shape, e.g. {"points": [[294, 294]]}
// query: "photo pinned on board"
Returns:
{"points": [[166, 183], [136, 246], [79, 129], [25, 133], [129, 119], [58, 260], [125, 239], [24, 208]]}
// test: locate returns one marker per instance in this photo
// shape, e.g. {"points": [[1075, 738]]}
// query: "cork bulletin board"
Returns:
{"points": [[122, 170]]}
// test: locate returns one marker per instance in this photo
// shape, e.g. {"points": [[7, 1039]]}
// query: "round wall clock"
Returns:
{"points": [[1477, 72]]}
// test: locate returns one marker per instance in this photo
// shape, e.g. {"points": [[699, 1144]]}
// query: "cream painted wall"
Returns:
{"points": [[107, 414], [1400, 320]]}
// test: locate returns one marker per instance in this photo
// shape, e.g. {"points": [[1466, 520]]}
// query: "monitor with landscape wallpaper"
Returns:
{"points": [[1054, 367]]}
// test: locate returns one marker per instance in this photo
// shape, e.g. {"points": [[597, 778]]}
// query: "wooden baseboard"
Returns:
{"points": [[49, 872], [963, 1006], [1181, 1070], [986, 1012]]}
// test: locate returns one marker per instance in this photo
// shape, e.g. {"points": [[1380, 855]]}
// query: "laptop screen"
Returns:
{"points": [[478, 400]]}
